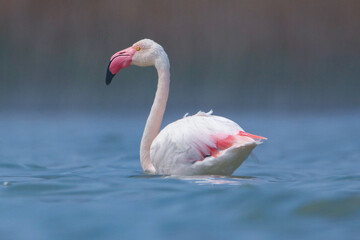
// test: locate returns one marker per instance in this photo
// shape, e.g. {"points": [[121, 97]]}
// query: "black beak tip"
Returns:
{"points": [[109, 77]]}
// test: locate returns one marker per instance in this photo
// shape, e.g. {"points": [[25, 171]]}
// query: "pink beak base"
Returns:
{"points": [[119, 60]]}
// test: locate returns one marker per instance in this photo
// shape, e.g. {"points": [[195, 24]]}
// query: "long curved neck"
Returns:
{"points": [[153, 123]]}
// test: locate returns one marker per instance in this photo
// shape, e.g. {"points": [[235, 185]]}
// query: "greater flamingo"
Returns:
{"points": [[202, 144]]}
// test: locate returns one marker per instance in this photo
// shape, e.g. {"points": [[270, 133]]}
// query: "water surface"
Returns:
{"points": [[78, 176]]}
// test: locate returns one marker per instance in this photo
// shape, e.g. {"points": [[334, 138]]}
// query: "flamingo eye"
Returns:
{"points": [[138, 48]]}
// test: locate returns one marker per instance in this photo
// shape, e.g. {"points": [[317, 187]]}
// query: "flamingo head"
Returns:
{"points": [[143, 53]]}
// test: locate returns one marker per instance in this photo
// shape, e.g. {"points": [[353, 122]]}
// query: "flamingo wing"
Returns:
{"points": [[201, 144]]}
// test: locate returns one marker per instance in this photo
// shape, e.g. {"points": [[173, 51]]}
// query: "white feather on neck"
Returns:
{"points": [[153, 123]]}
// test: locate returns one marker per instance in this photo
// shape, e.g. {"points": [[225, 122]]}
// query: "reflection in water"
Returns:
{"points": [[204, 180]]}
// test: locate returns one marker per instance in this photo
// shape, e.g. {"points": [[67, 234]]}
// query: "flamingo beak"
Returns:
{"points": [[119, 60]]}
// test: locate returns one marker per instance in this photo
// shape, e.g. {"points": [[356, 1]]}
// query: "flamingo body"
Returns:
{"points": [[202, 144]]}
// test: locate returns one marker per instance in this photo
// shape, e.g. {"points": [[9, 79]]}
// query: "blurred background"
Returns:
{"points": [[69, 144], [239, 55]]}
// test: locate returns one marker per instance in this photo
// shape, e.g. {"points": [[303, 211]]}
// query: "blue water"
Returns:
{"points": [[78, 176]]}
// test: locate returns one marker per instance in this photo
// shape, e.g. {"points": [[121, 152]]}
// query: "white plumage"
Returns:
{"points": [[202, 144], [188, 146]]}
